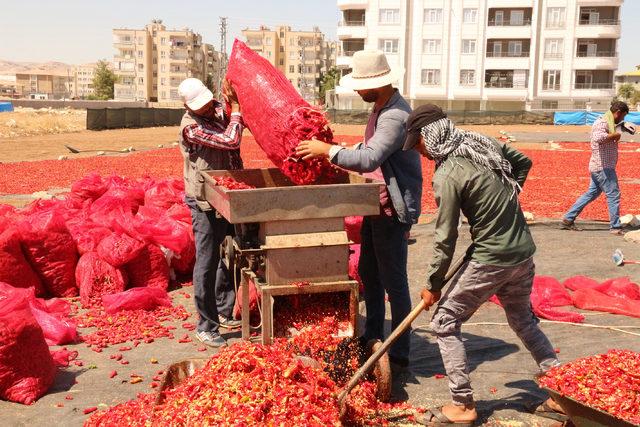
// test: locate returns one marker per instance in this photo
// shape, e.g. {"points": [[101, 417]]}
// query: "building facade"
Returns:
{"points": [[150, 63], [488, 54], [80, 85], [302, 56], [41, 86]]}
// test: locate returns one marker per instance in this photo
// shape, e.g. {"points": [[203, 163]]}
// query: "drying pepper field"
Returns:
{"points": [[502, 370]]}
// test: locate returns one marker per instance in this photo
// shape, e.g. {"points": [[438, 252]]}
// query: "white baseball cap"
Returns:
{"points": [[194, 93]]}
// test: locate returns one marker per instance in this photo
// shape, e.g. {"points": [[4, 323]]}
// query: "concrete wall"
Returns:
{"points": [[360, 117], [34, 103]]}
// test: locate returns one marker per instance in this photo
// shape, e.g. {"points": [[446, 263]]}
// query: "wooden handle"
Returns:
{"points": [[402, 327]]}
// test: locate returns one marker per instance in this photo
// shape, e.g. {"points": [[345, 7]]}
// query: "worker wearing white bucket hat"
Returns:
{"points": [[209, 139], [383, 254], [370, 71]]}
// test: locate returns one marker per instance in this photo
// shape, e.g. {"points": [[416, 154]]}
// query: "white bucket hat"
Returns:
{"points": [[370, 71], [194, 93]]}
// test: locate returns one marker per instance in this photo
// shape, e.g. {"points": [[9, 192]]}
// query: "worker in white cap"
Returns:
{"points": [[209, 139]]}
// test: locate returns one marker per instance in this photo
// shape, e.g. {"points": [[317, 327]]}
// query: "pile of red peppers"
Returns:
{"points": [[609, 382]]}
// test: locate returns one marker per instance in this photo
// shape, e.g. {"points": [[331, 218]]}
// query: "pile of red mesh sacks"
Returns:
{"points": [[616, 296], [277, 116], [106, 235]]}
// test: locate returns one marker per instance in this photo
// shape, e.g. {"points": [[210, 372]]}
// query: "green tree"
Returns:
{"points": [[104, 80], [627, 91], [329, 81]]}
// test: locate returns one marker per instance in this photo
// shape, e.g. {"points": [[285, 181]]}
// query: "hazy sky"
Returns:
{"points": [[77, 31]]}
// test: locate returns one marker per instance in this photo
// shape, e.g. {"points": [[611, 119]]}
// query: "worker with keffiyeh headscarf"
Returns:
{"points": [[481, 178]]}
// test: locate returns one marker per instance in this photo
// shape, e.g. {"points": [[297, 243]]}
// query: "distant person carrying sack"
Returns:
{"points": [[605, 136], [209, 139]]}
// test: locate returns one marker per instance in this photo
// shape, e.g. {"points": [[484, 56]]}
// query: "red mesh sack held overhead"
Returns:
{"points": [[51, 251], [277, 116], [14, 268], [26, 367], [96, 278]]}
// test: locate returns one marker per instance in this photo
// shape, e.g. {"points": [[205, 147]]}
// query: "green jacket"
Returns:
{"points": [[498, 229]]}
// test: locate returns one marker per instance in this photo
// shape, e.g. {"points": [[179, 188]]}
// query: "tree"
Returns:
{"points": [[627, 91], [104, 80], [210, 84], [329, 81]]}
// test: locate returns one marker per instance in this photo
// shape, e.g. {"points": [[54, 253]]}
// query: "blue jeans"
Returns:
{"points": [[213, 291], [383, 267], [605, 181]]}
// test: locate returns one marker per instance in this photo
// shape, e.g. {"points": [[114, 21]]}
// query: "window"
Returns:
{"points": [[292, 69], [469, 16], [430, 77], [555, 17], [163, 94], [281, 61], [267, 41], [388, 45], [516, 18], [432, 16], [139, 54], [281, 34], [163, 41], [140, 80], [293, 54], [163, 68], [549, 105], [162, 81], [281, 49], [163, 54], [140, 67], [431, 46], [389, 16], [515, 48], [467, 77], [553, 48], [468, 46], [551, 80]]}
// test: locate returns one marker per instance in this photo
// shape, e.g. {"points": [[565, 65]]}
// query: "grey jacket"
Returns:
{"points": [[402, 170]]}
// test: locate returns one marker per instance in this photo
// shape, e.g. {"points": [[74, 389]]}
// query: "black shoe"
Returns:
{"points": [[569, 225]]}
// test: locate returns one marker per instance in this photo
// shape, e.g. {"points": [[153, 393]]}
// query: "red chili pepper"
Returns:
{"points": [[90, 410], [113, 374]]}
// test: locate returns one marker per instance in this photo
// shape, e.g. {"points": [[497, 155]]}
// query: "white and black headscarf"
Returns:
{"points": [[442, 139]]}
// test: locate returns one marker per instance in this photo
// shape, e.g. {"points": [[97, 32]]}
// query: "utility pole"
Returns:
{"points": [[222, 70]]}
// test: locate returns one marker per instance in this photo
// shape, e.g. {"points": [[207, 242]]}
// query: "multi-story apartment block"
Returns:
{"points": [[41, 86], [489, 54], [80, 82], [151, 62], [302, 56]]}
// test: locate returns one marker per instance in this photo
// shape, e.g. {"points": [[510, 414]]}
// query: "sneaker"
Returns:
{"points": [[212, 339], [617, 231], [229, 323]]}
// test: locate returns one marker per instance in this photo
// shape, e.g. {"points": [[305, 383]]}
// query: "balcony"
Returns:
{"points": [[494, 54], [599, 21], [352, 4], [593, 85], [555, 87], [351, 30]]}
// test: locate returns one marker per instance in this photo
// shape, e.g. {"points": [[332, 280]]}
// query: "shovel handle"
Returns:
{"points": [[402, 327]]}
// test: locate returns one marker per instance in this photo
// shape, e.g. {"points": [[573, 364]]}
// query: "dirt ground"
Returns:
{"points": [[51, 146], [501, 368]]}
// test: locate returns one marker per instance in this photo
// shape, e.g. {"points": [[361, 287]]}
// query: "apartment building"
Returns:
{"points": [[488, 54], [302, 56], [151, 62], [80, 83], [41, 86]]}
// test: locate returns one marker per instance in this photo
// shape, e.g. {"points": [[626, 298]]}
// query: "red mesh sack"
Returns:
{"points": [[136, 299], [354, 261], [148, 269], [277, 116], [51, 251], [254, 300], [118, 249], [155, 226], [26, 367], [353, 225], [621, 287], [180, 212], [14, 268], [87, 235], [90, 187], [96, 277], [590, 299], [165, 193], [185, 260], [580, 282]]}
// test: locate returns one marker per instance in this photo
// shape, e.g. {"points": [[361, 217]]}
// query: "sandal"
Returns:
{"points": [[546, 411], [435, 417]]}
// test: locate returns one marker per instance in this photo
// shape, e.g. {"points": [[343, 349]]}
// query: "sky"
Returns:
{"points": [[79, 31]]}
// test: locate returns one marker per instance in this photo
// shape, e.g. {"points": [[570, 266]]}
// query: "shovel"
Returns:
{"points": [[618, 258], [76, 151], [382, 348]]}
